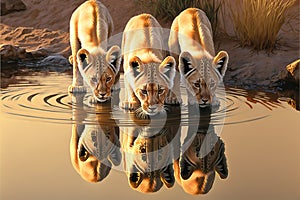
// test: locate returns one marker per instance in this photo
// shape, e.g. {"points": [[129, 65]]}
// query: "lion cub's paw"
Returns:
{"points": [[76, 89], [92, 100], [173, 100], [130, 105]]}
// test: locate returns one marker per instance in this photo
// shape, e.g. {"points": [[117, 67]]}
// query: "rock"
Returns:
{"points": [[54, 61], [41, 53], [12, 53], [8, 52], [293, 70], [265, 83], [288, 77], [9, 6]]}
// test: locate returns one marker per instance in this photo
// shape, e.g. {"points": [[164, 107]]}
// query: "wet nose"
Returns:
{"points": [[205, 100], [152, 108], [102, 94]]}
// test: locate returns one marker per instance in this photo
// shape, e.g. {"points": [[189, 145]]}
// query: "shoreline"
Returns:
{"points": [[40, 37]]}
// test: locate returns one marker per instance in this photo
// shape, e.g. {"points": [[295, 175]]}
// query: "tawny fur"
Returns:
{"points": [[202, 154], [94, 148], [146, 159], [90, 27], [191, 38], [148, 74]]}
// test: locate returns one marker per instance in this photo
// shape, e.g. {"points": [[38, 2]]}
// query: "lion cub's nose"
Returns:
{"points": [[102, 94], [152, 108], [205, 100]]}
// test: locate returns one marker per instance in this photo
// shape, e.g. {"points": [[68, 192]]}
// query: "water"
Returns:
{"points": [[51, 142]]}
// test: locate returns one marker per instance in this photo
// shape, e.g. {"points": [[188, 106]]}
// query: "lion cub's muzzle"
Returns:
{"points": [[102, 96], [204, 95], [153, 110], [205, 102]]}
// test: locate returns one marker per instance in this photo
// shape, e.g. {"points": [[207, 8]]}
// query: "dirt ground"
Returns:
{"points": [[44, 26]]}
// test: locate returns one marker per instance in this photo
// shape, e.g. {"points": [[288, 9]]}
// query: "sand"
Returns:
{"points": [[42, 29], [45, 24]]}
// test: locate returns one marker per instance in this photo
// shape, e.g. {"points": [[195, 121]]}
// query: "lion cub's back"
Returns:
{"points": [[92, 19], [141, 21], [142, 33], [91, 9], [193, 23]]}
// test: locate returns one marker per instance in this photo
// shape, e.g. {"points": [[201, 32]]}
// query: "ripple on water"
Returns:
{"points": [[50, 102]]}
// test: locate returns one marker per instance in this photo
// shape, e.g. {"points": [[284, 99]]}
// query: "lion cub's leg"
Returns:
{"points": [[77, 83], [174, 94], [174, 48], [131, 102]]}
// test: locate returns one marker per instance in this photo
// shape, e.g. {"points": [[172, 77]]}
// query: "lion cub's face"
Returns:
{"points": [[202, 76], [102, 84], [93, 154], [147, 160], [152, 97], [100, 70], [197, 170], [151, 83]]}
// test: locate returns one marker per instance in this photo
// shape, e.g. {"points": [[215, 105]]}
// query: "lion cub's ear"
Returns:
{"points": [[221, 61], [167, 176], [113, 57], [83, 55], [104, 169], [83, 58], [186, 169], [221, 164], [135, 177], [186, 63], [136, 65], [167, 68], [71, 59]]}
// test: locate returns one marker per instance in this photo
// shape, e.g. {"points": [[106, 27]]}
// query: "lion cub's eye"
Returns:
{"points": [[197, 85], [144, 91], [83, 154], [160, 91], [108, 79], [94, 79]]}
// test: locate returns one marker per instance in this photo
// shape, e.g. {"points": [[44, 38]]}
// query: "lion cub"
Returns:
{"points": [[191, 38], [90, 27], [148, 73]]}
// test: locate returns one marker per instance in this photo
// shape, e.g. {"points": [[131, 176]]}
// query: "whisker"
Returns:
{"points": [[139, 113], [166, 108]]}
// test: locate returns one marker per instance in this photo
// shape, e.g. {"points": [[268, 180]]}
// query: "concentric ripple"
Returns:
{"points": [[37, 102], [47, 100]]}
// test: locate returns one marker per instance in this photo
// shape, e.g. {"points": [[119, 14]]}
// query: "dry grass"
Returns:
{"points": [[257, 22], [169, 9]]}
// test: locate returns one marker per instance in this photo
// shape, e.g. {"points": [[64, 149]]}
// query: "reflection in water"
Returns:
{"points": [[35, 108], [294, 98], [269, 100], [149, 151], [44, 98], [156, 152], [94, 147], [202, 155]]}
